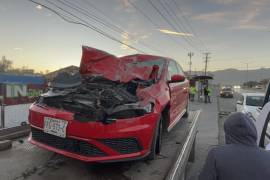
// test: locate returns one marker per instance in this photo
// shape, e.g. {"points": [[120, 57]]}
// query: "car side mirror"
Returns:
{"points": [[177, 78], [239, 102]]}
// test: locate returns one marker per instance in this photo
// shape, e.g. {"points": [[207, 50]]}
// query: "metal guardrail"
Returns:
{"points": [[178, 169]]}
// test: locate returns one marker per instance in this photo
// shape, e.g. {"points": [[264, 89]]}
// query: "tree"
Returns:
{"points": [[5, 64]]}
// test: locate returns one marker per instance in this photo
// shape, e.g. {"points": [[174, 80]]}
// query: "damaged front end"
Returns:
{"points": [[95, 98]]}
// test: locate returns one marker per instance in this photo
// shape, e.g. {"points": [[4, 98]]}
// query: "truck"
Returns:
{"points": [[150, 129], [27, 161]]}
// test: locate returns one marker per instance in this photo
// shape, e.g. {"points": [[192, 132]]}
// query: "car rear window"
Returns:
{"points": [[254, 100]]}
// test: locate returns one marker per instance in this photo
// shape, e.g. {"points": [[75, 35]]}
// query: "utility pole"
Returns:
{"points": [[206, 61], [247, 72], [247, 69], [190, 54]]}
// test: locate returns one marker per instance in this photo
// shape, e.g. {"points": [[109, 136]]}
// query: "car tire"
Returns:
{"points": [[156, 143], [187, 111]]}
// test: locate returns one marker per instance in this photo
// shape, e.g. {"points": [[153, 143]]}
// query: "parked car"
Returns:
{"points": [[258, 87], [250, 102], [226, 92], [116, 110]]}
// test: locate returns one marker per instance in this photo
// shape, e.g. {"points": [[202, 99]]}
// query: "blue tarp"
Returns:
{"points": [[21, 79]]}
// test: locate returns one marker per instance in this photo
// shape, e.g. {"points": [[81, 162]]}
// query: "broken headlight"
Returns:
{"points": [[130, 111]]}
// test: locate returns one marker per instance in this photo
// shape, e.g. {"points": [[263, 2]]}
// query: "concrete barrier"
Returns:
{"points": [[15, 132], [5, 144]]}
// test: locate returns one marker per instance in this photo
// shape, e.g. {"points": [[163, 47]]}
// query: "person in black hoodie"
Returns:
{"points": [[240, 158]]}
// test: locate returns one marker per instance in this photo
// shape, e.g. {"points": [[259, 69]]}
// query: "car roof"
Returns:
{"points": [[142, 57], [253, 94]]}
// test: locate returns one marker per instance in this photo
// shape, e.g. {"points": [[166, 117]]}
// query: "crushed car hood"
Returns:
{"points": [[97, 62]]}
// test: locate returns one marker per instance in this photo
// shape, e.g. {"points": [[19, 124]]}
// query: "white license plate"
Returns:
{"points": [[55, 127]]}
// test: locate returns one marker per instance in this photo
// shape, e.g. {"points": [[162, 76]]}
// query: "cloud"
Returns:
{"points": [[125, 39], [213, 17], [166, 31], [240, 14], [17, 49], [248, 26], [125, 5], [251, 16], [130, 39], [224, 1]]}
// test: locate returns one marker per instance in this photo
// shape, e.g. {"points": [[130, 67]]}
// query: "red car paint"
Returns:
{"points": [[171, 96]]}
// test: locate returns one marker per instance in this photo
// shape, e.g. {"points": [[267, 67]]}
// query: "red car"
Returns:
{"points": [[116, 109]]}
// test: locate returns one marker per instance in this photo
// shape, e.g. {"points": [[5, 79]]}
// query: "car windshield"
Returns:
{"points": [[151, 63], [254, 100]]}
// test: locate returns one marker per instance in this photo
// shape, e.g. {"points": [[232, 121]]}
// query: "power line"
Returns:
{"points": [[178, 27], [92, 16], [167, 20], [176, 19], [188, 23], [153, 23], [182, 24], [83, 23], [101, 21]]}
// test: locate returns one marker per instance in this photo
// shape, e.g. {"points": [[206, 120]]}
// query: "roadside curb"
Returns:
{"points": [[5, 144], [15, 132]]}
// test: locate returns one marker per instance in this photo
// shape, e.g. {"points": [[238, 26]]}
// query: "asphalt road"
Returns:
{"points": [[207, 136], [210, 129]]}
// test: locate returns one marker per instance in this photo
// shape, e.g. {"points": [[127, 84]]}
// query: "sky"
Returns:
{"points": [[235, 32]]}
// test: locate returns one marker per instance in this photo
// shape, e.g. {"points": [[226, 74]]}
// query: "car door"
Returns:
{"points": [[176, 89], [183, 99]]}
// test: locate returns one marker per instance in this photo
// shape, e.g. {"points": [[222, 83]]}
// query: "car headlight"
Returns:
{"points": [[130, 111]]}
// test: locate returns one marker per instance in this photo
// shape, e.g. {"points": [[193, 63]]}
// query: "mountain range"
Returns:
{"points": [[237, 77]]}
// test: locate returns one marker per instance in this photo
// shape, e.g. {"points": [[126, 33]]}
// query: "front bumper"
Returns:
{"points": [[226, 95], [94, 141]]}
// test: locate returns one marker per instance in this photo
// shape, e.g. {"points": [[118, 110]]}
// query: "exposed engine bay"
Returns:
{"points": [[95, 98]]}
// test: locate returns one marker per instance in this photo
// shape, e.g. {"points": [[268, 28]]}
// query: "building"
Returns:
{"points": [[20, 89]]}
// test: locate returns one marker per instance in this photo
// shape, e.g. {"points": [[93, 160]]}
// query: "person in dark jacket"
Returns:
{"points": [[206, 94], [240, 158]]}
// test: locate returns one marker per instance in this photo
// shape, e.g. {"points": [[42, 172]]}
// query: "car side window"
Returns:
{"points": [[172, 69], [241, 99], [180, 70]]}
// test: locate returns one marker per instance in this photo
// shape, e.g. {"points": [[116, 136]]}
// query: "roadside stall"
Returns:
{"points": [[200, 82]]}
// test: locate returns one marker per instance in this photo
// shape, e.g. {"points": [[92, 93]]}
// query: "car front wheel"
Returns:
{"points": [[156, 143]]}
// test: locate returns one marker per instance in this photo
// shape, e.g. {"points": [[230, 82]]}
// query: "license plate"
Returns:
{"points": [[55, 127]]}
